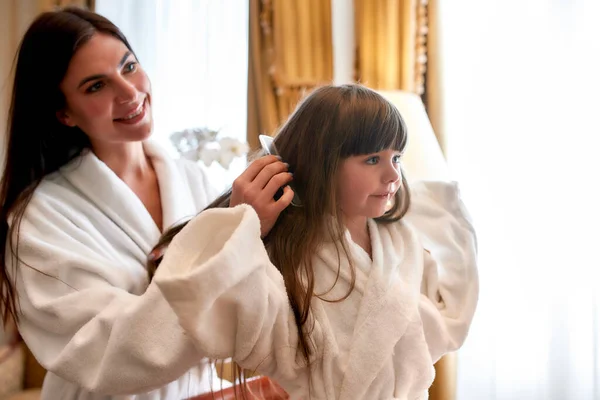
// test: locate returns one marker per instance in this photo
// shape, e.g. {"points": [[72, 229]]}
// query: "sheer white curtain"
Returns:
{"points": [[522, 89], [196, 54]]}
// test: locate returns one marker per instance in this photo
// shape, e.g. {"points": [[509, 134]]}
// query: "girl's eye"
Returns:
{"points": [[372, 160], [396, 159], [95, 87]]}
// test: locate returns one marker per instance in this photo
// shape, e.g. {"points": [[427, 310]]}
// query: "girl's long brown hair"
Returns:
{"points": [[331, 124], [38, 144]]}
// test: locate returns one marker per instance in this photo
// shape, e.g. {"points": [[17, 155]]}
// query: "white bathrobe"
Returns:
{"points": [[413, 302], [89, 316]]}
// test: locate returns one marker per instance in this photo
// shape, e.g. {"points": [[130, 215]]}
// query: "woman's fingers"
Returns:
{"points": [[257, 187], [271, 170], [277, 181], [248, 186], [284, 201], [257, 166]]}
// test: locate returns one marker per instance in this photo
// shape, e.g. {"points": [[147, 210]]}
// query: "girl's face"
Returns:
{"points": [[107, 93], [366, 183]]}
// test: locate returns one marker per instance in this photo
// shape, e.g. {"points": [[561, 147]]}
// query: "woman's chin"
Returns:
{"points": [[136, 133]]}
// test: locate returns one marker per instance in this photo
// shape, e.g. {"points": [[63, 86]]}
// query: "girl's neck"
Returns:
{"points": [[359, 232]]}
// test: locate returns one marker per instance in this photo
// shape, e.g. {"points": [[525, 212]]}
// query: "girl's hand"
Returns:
{"points": [[257, 186]]}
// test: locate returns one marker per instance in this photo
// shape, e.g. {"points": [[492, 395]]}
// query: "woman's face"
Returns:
{"points": [[107, 93]]}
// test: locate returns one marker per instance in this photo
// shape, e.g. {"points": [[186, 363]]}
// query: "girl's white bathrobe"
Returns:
{"points": [[412, 302], [88, 314]]}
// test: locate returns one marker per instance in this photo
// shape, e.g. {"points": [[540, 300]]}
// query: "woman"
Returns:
{"points": [[85, 196]]}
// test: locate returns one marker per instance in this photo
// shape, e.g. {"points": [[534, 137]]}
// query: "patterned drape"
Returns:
{"points": [[290, 53]]}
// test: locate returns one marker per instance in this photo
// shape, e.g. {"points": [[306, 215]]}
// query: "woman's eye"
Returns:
{"points": [[95, 87], [130, 67]]}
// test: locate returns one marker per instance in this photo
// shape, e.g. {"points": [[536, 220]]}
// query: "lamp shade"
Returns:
{"points": [[423, 158]]}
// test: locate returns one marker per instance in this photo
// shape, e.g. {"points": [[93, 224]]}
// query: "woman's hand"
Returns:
{"points": [[257, 186]]}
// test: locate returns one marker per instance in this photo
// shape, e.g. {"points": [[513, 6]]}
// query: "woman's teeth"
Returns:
{"points": [[135, 114]]}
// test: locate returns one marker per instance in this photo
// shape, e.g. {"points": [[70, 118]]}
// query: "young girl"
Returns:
{"points": [[359, 291]]}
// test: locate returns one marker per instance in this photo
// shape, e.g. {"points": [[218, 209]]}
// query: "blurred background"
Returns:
{"points": [[500, 95]]}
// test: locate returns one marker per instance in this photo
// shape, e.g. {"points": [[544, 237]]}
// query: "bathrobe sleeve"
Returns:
{"points": [[78, 319], [450, 284], [229, 298]]}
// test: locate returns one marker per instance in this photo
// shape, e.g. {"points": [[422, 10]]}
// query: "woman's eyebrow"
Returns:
{"points": [[94, 77]]}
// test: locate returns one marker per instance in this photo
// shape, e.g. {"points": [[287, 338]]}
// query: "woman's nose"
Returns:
{"points": [[127, 92]]}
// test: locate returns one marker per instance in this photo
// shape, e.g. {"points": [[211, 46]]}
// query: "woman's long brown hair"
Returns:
{"points": [[38, 144], [330, 125]]}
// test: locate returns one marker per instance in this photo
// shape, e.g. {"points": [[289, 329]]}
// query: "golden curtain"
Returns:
{"points": [[398, 46], [444, 386], [50, 4], [290, 53], [385, 39], [10, 33], [435, 77]]}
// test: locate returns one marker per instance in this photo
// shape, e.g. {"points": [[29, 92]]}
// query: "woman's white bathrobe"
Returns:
{"points": [[413, 302], [89, 316]]}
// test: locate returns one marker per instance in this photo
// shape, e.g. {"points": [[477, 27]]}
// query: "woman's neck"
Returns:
{"points": [[359, 232], [127, 160], [131, 164]]}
